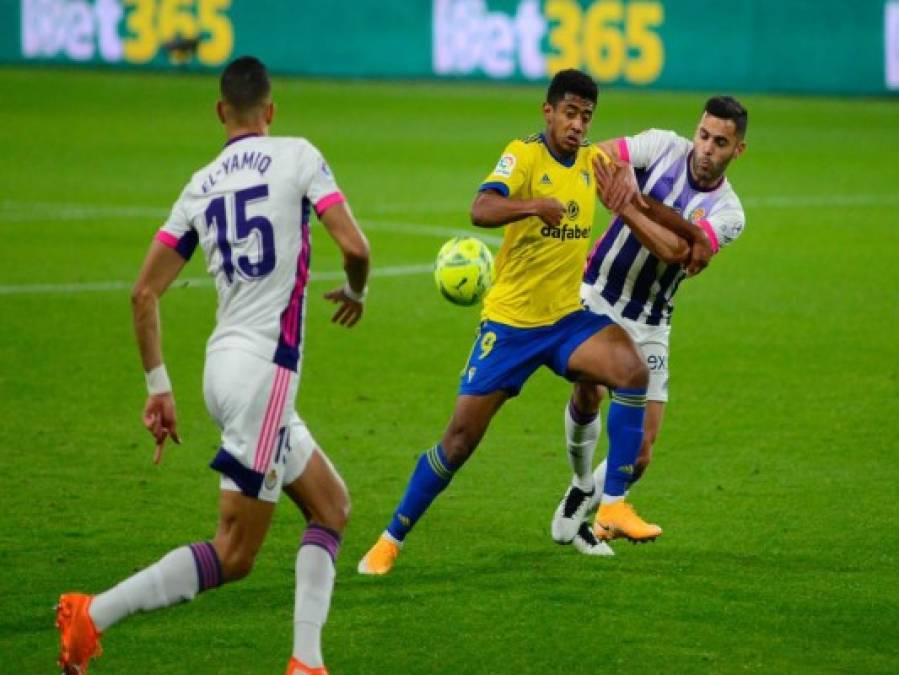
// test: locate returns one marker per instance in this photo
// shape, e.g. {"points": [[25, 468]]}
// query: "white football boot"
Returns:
{"points": [[569, 515], [587, 543]]}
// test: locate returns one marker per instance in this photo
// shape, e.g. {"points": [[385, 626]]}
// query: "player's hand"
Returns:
{"points": [[616, 185], [550, 210], [349, 312], [700, 254], [159, 419]]}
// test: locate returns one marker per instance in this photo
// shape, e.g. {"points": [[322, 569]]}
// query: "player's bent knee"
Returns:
{"points": [[344, 510], [340, 511], [236, 565], [236, 555], [630, 373], [336, 516], [638, 374]]}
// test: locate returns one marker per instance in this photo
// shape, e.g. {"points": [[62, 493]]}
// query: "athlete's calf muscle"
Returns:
{"points": [[468, 424]]}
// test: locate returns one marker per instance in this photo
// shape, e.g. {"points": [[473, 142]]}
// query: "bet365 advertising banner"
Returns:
{"points": [[828, 46]]}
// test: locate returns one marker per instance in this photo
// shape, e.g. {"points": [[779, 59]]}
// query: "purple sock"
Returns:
{"points": [[209, 567], [323, 537], [578, 416]]}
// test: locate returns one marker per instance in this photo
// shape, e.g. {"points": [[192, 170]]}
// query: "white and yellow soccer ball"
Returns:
{"points": [[463, 271]]}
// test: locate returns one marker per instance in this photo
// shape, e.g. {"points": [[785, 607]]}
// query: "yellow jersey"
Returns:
{"points": [[539, 267]]}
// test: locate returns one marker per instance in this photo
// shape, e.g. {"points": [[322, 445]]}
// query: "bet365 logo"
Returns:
{"points": [[134, 31], [611, 39]]}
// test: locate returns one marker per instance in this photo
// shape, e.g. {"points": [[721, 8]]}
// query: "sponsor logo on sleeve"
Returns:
{"points": [[505, 165]]}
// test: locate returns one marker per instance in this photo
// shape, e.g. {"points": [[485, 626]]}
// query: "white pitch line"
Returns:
{"points": [[26, 212], [194, 282], [13, 211], [422, 230], [823, 201]]}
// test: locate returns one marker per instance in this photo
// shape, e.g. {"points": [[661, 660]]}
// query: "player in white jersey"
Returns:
{"points": [[632, 275], [249, 211]]}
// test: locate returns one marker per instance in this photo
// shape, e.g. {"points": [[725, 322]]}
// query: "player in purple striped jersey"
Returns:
{"points": [[248, 210], [632, 275]]}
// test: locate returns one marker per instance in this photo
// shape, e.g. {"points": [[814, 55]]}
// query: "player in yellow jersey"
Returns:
{"points": [[543, 190]]}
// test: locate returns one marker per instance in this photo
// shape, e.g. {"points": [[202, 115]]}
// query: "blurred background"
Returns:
{"points": [[810, 46]]}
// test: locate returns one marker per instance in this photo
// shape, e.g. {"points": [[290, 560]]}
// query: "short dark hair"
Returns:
{"points": [[571, 81], [245, 83], [729, 108]]}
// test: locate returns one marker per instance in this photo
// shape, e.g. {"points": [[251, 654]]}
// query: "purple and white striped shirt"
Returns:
{"points": [[630, 278], [249, 211]]}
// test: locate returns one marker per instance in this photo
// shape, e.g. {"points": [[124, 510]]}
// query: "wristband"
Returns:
{"points": [[158, 381], [353, 295]]}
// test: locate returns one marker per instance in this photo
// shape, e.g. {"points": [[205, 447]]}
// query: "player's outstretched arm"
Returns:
{"points": [[700, 247], [622, 188], [664, 244], [340, 224], [161, 266], [491, 209]]}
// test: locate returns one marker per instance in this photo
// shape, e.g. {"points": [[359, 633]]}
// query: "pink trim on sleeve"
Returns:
{"points": [[328, 201], [166, 238], [710, 233], [623, 152]]}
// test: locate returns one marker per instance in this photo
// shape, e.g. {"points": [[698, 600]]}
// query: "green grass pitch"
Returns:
{"points": [[775, 476]]}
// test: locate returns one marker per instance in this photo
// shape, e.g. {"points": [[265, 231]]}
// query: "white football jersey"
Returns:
{"points": [[249, 210], [630, 278]]}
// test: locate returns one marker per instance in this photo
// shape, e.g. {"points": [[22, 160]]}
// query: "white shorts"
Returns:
{"points": [[265, 444], [651, 340]]}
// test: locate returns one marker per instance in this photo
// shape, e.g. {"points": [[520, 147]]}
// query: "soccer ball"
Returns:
{"points": [[463, 271]]}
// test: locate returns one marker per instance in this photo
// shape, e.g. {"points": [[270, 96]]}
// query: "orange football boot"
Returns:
{"points": [[620, 520], [79, 639], [297, 667], [380, 558]]}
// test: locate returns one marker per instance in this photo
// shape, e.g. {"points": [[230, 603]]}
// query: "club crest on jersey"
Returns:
{"points": [[572, 210], [505, 165], [271, 479], [697, 214]]}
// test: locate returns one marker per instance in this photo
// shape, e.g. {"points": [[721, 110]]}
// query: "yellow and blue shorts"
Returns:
{"points": [[504, 357]]}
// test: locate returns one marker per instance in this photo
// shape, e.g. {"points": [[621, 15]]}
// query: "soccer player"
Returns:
{"points": [[633, 274], [249, 211], [543, 191]]}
